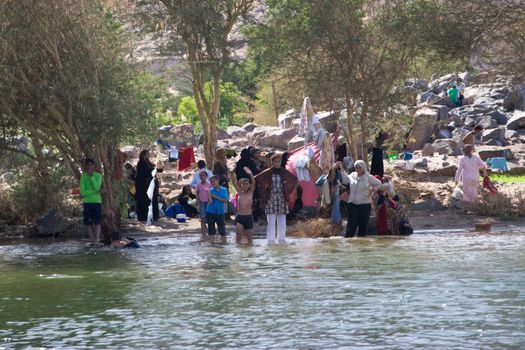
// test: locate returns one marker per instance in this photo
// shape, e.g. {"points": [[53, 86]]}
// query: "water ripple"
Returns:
{"points": [[431, 291]]}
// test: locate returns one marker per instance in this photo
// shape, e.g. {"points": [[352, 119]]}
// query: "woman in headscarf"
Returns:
{"points": [[245, 161], [385, 206], [142, 180], [467, 175], [185, 197], [278, 188], [220, 167], [359, 201]]}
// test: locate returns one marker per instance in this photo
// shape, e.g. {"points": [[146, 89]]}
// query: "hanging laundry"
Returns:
{"points": [[186, 158]]}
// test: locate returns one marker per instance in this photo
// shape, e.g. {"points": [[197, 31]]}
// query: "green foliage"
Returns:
{"points": [[504, 178], [159, 105], [32, 195], [245, 75], [233, 107]]}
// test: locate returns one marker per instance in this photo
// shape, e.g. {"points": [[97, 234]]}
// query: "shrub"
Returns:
{"points": [[33, 195], [520, 203], [499, 205]]}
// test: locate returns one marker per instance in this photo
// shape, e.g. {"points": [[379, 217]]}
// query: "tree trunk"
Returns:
{"points": [[110, 214], [275, 103], [364, 132], [350, 115]]}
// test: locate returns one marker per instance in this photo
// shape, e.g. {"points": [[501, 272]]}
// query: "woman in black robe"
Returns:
{"points": [[184, 197], [142, 181], [245, 161]]}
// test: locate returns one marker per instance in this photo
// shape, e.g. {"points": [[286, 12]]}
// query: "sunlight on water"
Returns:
{"points": [[460, 290]]}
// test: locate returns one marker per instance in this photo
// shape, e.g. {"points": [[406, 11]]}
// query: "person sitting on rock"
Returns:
{"points": [[185, 198], [453, 95], [460, 85]]}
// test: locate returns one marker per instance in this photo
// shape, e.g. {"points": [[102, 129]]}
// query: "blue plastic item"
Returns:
{"points": [[498, 163], [175, 209], [407, 156]]}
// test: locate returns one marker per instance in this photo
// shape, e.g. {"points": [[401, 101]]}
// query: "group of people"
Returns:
{"points": [[272, 188], [262, 185], [456, 92], [257, 187]]}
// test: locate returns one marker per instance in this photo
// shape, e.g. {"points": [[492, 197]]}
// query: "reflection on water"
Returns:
{"points": [[432, 291]]}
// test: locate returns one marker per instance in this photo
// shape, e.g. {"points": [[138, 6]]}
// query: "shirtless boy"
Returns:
{"points": [[244, 218]]}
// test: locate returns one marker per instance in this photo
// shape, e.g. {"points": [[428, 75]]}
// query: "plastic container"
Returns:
{"points": [[181, 217], [392, 157]]}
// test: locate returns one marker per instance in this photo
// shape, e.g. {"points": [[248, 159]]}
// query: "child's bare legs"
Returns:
{"points": [[239, 233], [203, 228]]}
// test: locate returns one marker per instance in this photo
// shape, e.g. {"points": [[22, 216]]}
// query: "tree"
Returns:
{"points": [[232, 108], [352, 49], [205, 28], [65, 79]]}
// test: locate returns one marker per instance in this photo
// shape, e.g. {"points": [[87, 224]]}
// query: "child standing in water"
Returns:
{"points": [[244, 218], [217, 198], [203, 190]]}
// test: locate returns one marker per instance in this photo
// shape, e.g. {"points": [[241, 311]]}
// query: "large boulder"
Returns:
{"points": [[51, 224], [500, 117], [240, 143], [422, 128], [486, 122], [443, 133], [131, 151], [427, 97], [417, 84], [429, 204], [443, 112], [517, 121], [515, 99], [511, 134], [428, 150], [484, 100], [486, 154], [440, 84], [496, 134], [222, 134], [328, 120], [295, 143], [278, 139], [178, 135], [255, 136], [446, 169], [236, 131], [249, 127], [285, 119], [473, 93], [447, 146]]}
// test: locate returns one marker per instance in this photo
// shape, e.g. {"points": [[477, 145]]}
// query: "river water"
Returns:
{"points": [[460, 290]]}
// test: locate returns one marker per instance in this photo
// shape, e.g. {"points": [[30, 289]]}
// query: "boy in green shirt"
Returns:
{"points": [[453, 94], [90, 184]]}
